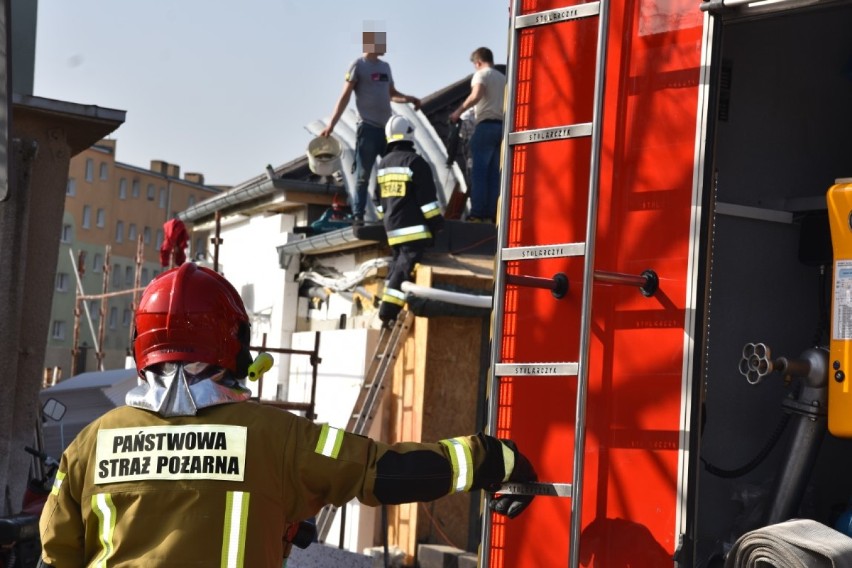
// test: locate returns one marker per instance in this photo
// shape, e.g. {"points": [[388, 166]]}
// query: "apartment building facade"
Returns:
{"points": [[112, 230]]}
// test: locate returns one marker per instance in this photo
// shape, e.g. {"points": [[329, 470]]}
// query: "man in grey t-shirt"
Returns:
{"points": [[370, 79]]}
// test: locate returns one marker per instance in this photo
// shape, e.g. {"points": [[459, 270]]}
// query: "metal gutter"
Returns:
{"points": [[333, 241], [259, 187]]}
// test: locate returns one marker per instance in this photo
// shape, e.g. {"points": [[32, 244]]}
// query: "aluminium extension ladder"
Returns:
{"points": [[566, 16], [371, 393]]}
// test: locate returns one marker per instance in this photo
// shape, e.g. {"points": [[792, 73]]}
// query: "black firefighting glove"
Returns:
{"points": [[513, 505]]}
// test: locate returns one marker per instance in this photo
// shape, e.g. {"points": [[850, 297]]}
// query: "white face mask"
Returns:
{"points": [[181, 389]]}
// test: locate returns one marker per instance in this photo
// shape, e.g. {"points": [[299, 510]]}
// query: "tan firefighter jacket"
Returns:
{"points": [[216, 489]]}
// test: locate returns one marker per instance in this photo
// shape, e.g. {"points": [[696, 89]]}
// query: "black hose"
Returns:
{"points": [[767, 448]]}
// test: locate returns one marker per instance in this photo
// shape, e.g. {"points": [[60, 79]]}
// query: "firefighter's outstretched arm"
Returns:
{"points": [[425, 472], [336, 466]]}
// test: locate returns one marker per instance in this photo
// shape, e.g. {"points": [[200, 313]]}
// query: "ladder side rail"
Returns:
{"points": [[376, 388], [588, 282], [384, 356], [373, 380], [369, 377], [376, 394], [324, 520], [376, 391], [497, 307], [326, 515]]}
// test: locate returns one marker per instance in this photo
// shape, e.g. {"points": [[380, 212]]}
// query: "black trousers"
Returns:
{"points": [[405, 258]]}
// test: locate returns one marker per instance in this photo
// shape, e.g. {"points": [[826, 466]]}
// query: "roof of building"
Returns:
{"points": [[92, 380], [295, 180]]}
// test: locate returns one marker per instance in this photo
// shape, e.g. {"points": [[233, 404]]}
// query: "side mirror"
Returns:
{"points": [[53, 409]]}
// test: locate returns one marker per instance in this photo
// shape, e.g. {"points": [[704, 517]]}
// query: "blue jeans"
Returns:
{"points": [[369, 144], [485, 172]]}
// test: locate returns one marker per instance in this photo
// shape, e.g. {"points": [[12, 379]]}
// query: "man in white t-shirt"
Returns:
{"points": [[486, 97]]}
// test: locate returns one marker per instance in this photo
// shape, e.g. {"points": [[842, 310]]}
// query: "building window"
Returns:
{"points": [[152, 192], [128, 275], [94, 309], [134, 192], [146, 235], [87, 216], [58, 329], [104, 171], [97, 262], [131, 232], [191, 200], [125, 317], [159, 238], [113, 317], [100, 220], [62, 280], [199, 248], [71, 188], [90, 169], [122, 188], [163, 199], [119, 231], [116, 275], [66, 234], [145, 276]]}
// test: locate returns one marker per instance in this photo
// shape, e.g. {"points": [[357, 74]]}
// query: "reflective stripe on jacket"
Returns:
{"points": [[406, 195]]}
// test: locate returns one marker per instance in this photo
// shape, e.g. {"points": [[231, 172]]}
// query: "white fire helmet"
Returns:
{"points": [[399, 129]]}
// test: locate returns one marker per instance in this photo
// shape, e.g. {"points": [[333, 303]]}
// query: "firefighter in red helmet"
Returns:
{"points": [[190, 472]]}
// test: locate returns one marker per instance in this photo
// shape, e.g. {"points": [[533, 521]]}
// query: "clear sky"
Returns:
{"points": [[225, 87]]}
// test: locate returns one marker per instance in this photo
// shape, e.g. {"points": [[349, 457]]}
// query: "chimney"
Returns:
{"points": [[107, 143], [194, 177], [159, 166], [173, 170]]}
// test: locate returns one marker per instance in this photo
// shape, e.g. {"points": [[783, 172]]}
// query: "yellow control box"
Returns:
{"points": [[839, 200]]}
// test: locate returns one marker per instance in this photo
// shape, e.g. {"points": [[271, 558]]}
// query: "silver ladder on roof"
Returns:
{"points": [[573, 490], [370, 396]]}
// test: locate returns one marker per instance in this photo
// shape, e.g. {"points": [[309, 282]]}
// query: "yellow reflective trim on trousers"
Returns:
{"points": [[57, 483], [392, 300], [406, 234], [462, 462], [409, 238], [329, 442], [234, 534], [104, 508]]}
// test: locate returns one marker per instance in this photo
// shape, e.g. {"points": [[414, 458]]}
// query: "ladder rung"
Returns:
{"points": [[557, 15], [537, 488], [539, 252], [538, 369], [547, 134]]}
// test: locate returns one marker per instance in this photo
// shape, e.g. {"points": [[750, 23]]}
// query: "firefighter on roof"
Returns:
{"points": [[191, 472], [408, 205]]}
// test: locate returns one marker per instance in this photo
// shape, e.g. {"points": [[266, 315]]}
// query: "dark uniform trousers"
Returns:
{"points": [[405, 258]]}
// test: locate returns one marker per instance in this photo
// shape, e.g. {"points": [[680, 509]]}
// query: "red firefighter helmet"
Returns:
{"points": [[192, 313]]}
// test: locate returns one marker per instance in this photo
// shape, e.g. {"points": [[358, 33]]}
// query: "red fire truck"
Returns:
{"points": [[665, 344]]}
